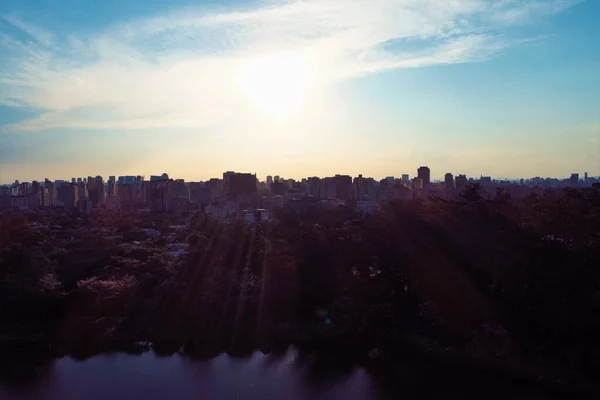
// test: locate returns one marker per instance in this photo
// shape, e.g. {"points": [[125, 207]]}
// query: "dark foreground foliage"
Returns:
{"points": [[504, 282]]}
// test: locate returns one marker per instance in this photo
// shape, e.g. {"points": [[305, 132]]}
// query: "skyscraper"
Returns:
{"points": [[68, 195], [424, 174], [111, 186], [82, 191], [574, 180], [96, 191], [449, 180], [461, 182], [52, 192], [239, 184]]}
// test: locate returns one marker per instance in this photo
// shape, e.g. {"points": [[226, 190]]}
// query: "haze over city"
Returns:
{"points": [[298, 88], [299, 199]]}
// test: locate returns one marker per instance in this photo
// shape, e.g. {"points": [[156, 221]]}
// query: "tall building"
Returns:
{"points": [[449, 181], [163, 177], [178, 188], [199, 192], [215, 188], [96, 191], [23, 188], [327, 188], [418, 183], [45, 198], [83, 192], [111, 186], [359, 187], [126, 179], [313, 184], [52, 192], [424, 174], [68, 194], [35, 195], [343, 187], [237, 184], [461, 182], [574, 180], [127, 194], [269, 181], [485, 180], [228, 181]]}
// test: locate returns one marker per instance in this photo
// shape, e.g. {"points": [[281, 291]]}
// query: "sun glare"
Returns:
{"points": [[278, 84]]}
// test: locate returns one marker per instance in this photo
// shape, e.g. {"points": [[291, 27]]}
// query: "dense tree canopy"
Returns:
{"points": [[503, 278]]}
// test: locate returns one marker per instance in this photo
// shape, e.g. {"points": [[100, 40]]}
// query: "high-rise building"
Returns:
{"points": [[46, 198], [418, 183], [179, 189], [52, 193], [163, 177], [96, 191], [82, 191], [461, 182], [126, 179], [269, 181], [239, 184], [326, 188], [35, 195], [574, 180], [228, 181], [343, 187], [111, 186], [449, 181], [424, 174], [359, 187], [24, 188], [313, 184], [127, 194], [68, 195]]}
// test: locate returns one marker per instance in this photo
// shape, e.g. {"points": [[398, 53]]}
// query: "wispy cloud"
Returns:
{"points": [[180, 70]]}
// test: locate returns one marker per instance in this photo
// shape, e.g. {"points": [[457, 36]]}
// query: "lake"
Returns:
{"points": [[149, 376], [291, 374]]}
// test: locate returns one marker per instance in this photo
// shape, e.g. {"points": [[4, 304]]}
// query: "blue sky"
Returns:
{"points": [[506, 88]]}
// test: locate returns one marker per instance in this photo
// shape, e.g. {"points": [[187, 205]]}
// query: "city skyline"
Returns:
{"points": [[195, 88], [227, 196], [436, 177]]}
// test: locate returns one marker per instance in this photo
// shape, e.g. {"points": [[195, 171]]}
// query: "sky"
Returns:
{"points": [[507, 88]]}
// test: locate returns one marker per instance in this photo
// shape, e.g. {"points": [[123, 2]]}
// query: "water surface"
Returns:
{"points": [[149, 376]]}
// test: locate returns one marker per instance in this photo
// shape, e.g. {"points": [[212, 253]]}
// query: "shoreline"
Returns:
{"points": [[25, 354]]}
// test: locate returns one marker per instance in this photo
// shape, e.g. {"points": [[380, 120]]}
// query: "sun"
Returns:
{"points": [[278, 84]]}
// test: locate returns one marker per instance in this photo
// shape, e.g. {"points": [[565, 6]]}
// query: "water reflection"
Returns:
{"points": [[191, 371], [290, 375]]}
